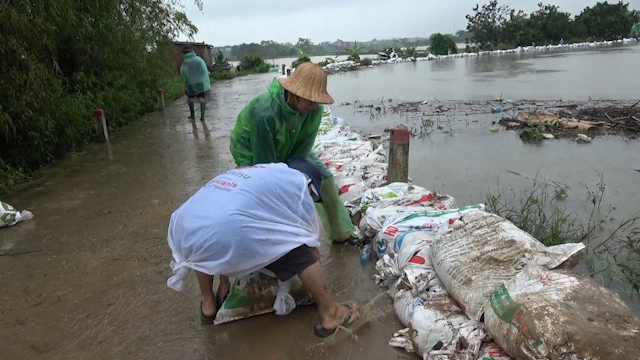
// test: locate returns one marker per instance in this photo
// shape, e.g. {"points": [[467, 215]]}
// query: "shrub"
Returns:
{"points": [[254, 63], [440, 44]]}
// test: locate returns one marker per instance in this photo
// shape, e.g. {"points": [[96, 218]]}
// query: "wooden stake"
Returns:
{"points": [[160, 94], [102, 134], [399, 154]]}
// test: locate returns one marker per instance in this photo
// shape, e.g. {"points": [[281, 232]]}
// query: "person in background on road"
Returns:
{"points": [[635, 30], [283, 123], [252, 218], [197, 84]]}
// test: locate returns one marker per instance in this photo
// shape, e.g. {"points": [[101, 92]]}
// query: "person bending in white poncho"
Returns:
{"points": [[252, 218]]}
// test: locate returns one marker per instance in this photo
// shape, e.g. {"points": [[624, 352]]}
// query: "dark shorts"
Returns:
{"points": [[201, 96], [293, 263]]}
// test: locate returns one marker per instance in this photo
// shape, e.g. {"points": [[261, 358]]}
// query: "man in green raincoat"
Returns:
{"points": [[197, 84], [635, 30], [283, 123]]}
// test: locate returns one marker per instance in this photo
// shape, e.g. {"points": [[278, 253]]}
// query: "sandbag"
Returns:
{"points": [[391, 191], [354, 163], [559, 314], [426, 221], [9, 216], [378, 213], [480, 251], [255, 294], [441, 331], [492, 351]]}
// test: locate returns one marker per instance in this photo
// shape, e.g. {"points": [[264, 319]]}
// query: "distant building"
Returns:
{"points": [[203, 50]]}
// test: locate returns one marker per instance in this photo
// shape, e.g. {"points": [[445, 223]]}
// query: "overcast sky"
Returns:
{"points": [[244, 21]]}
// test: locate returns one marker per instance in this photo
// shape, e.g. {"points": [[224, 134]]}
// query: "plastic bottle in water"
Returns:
{"points": [[366, 254]]}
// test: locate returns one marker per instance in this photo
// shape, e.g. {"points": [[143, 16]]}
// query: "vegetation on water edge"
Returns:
{"points": [[494, 26], [613, 245], [303, 58], [442, 44], [62, 59], [532, 133], [250, 65]]}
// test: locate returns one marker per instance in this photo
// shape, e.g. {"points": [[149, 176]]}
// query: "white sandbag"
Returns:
{"points": [[387, 272], [558, 314], [427, 221], [9, 216], [437, 332], [492, 351], [378, 213], [392, 191], [404, 304], [480, 251], [427, 199], [256, 294], [350, 189]]}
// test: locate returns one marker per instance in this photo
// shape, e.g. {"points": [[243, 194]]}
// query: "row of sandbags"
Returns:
{"points": [[468, 284], [356, 163], [521, 49]]}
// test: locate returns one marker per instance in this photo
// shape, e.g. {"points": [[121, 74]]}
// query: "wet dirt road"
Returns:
{"points": [[86, 279]]}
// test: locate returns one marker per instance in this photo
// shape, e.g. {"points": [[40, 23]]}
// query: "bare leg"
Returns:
{"points": [[316, 252], [332, 313], [223, 288], [206, 293]]}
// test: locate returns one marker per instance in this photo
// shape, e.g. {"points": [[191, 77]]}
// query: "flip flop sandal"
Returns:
{"points": [[210, 319], [321, 332], [204, 319]]}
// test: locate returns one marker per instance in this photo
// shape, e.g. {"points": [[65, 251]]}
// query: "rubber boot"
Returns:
{"points": [[192, 110], [335, 217], [203, 107]]}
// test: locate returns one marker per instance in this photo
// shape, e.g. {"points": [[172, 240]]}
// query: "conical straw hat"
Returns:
{"points": [[309, 82]]}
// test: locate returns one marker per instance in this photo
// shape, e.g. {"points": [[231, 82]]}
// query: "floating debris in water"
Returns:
{"points": [[583, 137]]}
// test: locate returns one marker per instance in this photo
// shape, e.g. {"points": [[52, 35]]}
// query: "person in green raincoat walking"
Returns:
{"points": [[635, 30], [283, 123], [197, 84]]}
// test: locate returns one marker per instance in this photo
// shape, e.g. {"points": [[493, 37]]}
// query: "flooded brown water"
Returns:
{"points": [[607, 72], [87, 277]]}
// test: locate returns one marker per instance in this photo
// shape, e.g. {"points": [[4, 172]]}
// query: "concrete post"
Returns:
{"points": [[102, 134], [399, 154], [283, 69], [160, 94]]}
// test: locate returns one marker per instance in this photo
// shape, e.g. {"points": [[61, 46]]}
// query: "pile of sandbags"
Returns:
{"points": [[469, 287], [355, 163]]}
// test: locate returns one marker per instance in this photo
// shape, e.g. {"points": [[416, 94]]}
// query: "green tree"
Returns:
{"points": [[304, 43], [220, 58], [442, 44], [410, 51], [607, 21], [354, 52], [550, 23], [302, 58], [486, 24], [254, 63], [521, 30], [62, 58]]}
